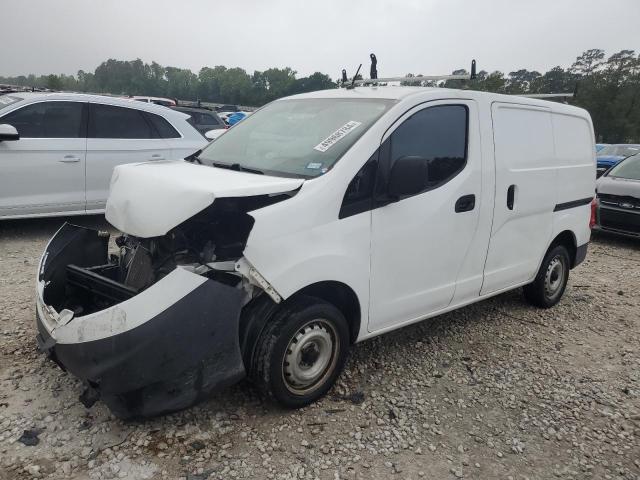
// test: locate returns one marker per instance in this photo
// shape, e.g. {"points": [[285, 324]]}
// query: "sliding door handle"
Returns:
{"points": [[511, 194], [465, 203]]}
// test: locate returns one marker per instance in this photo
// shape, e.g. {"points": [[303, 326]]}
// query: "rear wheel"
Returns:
{"points": [[551, 281], [301, 352]]}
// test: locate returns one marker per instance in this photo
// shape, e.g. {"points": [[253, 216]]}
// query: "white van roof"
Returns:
{"points": [[402, 93]]}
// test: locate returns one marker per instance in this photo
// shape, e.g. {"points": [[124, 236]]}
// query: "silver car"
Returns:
{"points": [[58, 150]]}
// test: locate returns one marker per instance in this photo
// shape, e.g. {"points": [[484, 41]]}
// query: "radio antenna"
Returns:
{"points": [[353, 82]]}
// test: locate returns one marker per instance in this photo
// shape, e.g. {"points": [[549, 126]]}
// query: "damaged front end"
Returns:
{"points": [[153, 326]]}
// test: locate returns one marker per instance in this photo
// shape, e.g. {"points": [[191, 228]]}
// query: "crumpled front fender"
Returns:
{"points": [[161, 350]]}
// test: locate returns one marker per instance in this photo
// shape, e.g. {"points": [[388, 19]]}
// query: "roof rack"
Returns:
{"points": [[374, 80]]}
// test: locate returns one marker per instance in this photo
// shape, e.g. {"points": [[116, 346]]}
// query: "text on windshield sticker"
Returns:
{"points": [[336, 136]]}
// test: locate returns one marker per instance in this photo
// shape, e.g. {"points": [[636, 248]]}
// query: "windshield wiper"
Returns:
{"points": [[237, 167], [194, 157]]}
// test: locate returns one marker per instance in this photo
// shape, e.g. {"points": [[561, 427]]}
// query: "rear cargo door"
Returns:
{"points": [[525, 194]]}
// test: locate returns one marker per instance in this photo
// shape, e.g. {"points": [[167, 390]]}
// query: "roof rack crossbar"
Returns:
{"points": [[544, 95], [413, 79], [375, 81], [426, 78]]}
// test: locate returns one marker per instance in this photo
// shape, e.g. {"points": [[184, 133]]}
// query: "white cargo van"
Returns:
{"points": [[322, 220]]}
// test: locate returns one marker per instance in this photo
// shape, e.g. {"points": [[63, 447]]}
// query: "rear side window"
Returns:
{"points": [[161, 126], [198, 118], [206, 119], [108, 121], [48, 120], [438, 134]]}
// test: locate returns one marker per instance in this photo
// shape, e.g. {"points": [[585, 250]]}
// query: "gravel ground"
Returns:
{"points": [[494, 390]]}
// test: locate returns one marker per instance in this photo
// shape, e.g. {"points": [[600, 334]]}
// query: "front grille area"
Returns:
{"points": [[617, 201], [627, 221]]}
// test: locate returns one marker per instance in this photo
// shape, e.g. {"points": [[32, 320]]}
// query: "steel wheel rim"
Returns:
{"points": [[310, 356], [554, 277]]}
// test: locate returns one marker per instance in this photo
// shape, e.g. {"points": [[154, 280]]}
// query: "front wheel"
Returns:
{"points": [[301, 352], [551, 281]]}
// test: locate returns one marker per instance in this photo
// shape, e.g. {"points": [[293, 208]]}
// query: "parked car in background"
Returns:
{"points": [[618, 198], [236, 117], [165, 102], [202, 119], [227, 108], [319, 221], [600, 146], [612, 154], [231, 118], [214, 134], [58, 150]]}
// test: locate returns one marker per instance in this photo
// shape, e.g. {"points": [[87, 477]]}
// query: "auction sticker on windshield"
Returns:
{"points": [[336, 136]]}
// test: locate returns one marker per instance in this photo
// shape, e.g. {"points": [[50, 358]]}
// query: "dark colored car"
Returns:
{"points": [[618, 198], [227, 108], [202, 119], [610, 155]]}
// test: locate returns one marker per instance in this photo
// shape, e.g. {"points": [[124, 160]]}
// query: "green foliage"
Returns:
{"points": [[218, 84], [609, 88]]}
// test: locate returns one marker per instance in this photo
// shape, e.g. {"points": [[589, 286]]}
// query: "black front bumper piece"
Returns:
{"points": [[166, 362]]}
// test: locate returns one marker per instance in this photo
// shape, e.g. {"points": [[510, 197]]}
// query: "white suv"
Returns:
{"points": [[321, 220], [58, 150]]}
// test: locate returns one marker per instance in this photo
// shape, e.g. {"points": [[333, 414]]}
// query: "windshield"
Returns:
{"points": [[298, 137], [6, 100], [629, 168], [619, 150]]}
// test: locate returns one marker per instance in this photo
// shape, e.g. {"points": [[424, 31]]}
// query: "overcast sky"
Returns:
{"points": [[417, 36]]}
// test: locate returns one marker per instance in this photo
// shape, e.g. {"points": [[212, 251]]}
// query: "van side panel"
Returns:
{"points": [[575, 156], [525, 164]]}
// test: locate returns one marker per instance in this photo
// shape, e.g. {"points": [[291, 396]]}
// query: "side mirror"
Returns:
{"points": [[409, 175], [213, 134], [8, 133]]}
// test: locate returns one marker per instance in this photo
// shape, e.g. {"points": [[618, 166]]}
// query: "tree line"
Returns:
{"points": [[218, 84], [608, 87]]}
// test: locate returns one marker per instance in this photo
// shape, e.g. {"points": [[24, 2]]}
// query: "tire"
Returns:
{"points": [[301, 352], [551, 281]]}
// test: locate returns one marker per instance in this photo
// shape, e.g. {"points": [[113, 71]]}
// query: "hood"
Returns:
{"points": [[149, 199], [609, 159], [622, 187]]}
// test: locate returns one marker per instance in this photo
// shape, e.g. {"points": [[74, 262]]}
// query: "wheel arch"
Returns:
{"points": [[568, 239], [340, 295], [257, 313]]}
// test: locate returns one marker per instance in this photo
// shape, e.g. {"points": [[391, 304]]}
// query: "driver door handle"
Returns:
{"points": [[466, 203], [69, 159]]}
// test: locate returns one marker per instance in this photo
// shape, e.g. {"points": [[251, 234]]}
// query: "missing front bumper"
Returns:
{"points": [[161, 350]]}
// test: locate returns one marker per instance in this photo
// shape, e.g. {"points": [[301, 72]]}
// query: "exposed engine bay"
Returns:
{"points": [[208, 244]]}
